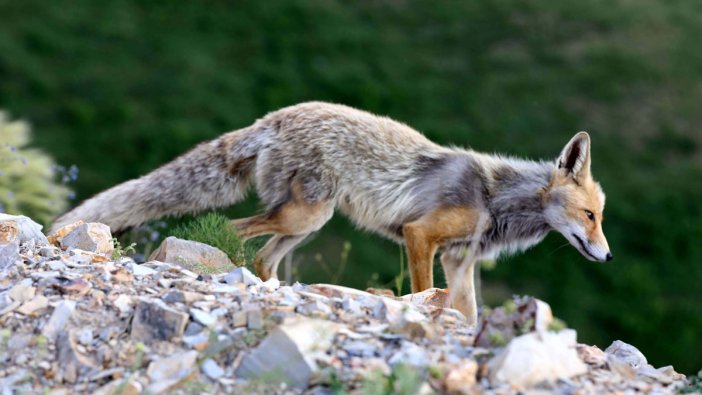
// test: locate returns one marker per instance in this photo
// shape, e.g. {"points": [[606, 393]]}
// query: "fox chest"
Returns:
{"points": [[496, 239]]}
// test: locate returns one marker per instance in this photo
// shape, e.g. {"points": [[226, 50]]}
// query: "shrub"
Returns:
{"points": [[28, 184], [214, 229]]}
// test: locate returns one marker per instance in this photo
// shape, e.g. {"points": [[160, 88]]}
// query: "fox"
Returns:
{"points": [[307, 161]]}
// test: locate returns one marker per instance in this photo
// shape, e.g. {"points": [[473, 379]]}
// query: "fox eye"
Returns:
{"points": [[590, 215]]}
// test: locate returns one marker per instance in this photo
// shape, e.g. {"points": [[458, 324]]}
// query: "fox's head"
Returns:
{"points": [[574, 202]]}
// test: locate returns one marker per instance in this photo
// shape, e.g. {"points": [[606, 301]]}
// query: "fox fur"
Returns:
{"points": [[308, 160]]}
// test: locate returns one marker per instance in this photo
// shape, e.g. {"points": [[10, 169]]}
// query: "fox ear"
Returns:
{"points": [[575, 157]]}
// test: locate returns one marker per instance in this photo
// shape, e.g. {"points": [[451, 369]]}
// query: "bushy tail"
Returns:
{"points": [[213, 174]]}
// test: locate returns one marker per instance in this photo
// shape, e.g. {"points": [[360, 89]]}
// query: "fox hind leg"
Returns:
{"points": [[268, 257], [250, 227], [289, 223], [459, 272]]}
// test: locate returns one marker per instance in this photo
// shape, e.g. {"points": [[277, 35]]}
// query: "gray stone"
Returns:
{"points": [[121, 386], [59, 318], [314, 308], [289, 353], [334, 291], [56, 265], [410, 354], [254, 319], [193, 328], [271, 284], [665, 375], [26, 228], [141, 270], [626, 353], [124, 304], [108, 333], [188, 253], [360, 348], [239, 318], [241, 275], [93, 237], [535, 357], [203, 317], [196, 341], [166, 373], [37, 303], [85, 336], [19, 341], [178, 296], [73, 363], [9, 256], [212, 370], [351, 306], [290, 297], [155, 321], [9, 307], [45, 275], [6, 383], [22, 291], [48, 251]]}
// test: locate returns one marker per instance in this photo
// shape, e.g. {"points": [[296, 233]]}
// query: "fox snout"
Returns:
{"points": [[591, 250]]}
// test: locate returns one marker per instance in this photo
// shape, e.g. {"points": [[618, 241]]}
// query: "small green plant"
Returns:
{"points": [[397, 282], [694, 384], [435, 372], [403, 380], [335, 276], [4, 338], [510, 306], [497, 339], [526, 327], [557, 325], [400, 278], [214, 229], [375, 384], [335, 384], [120, 251]]}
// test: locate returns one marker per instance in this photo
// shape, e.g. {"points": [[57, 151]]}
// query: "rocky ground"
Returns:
{"points": [[74, 320]]}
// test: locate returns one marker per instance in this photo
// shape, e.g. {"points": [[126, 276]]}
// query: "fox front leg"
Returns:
{"points": [[459, 270], [420, 254]]}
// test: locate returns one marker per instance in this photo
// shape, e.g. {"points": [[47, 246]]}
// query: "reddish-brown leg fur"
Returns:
{"points": [[289, 224], [425, 235]]}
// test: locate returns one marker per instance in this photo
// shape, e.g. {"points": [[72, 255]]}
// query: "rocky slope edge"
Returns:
{"points": [[76, 321]]}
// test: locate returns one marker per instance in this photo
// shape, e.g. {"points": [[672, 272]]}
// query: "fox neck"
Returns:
{"points": [[515, 203]]}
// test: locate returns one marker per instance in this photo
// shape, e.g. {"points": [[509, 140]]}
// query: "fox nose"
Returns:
{"points": [[609, 257]]}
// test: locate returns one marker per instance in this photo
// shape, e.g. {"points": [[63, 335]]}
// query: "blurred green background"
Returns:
{"points": [[120, 87]]}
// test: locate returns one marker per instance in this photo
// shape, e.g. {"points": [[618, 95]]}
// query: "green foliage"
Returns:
{"points": [[511, 76], [693, 386], [400, 278], [497, 339], [4, 338], [214, 229], [27, 177], [403, 380], [510, 306], [435, 372], [557, 325], [120, 251], [335, 271]]}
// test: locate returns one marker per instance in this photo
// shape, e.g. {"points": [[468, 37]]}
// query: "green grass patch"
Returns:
{"points": [[213, 229]]}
